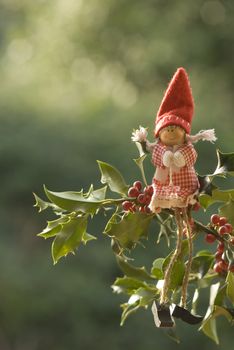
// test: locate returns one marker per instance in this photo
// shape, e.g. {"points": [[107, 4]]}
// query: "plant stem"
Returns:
{"points": [[167, 276], [190, 257]]}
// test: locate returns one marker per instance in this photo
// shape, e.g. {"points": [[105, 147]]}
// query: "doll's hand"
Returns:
{"points": [[178, 159], [139, 135], [167, 159]]}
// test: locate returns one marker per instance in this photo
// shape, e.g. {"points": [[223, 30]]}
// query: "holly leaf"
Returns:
{"points": [[142, 297], [88, 237], [129, 228], [128, 309], [127, 285], [42, 205], [228, 211], [230, 286], [195, 301], [201, 264], [206, 185], [221, 295], [113, 178], [182, 255], [209, 323], [177, 274], [225, 164], [139, 273], [139, 162], [78, 201], [69, 238], [53, 227], [179, 267], [217, 195], [157, 268], [209, 326]]}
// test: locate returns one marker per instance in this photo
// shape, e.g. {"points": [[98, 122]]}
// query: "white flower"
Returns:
{"points": [[139, 135]]}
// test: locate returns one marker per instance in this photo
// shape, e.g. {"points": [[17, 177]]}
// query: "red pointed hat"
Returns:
{"points": [[177, 105]]}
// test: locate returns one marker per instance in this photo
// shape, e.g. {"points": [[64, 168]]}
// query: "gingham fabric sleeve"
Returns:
{"points": [[189, 153], [157, 155]]}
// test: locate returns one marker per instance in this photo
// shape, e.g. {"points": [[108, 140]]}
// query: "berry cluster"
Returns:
{"points": [[142, 198], [225, 230]]}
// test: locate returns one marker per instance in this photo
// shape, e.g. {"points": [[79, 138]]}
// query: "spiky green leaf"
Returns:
{"points": [[53, 227], [157, 268], [201, 264], [78, 201], [230, 286], [139, 273], [225, 164], [228, 211], [69, 238], [113, 178], [209, 326], [129, 228]]}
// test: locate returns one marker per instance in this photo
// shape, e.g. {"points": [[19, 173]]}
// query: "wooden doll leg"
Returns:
{"points": [[190, 256], [167, 276]]}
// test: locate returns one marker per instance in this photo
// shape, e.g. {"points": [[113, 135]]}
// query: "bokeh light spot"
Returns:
{"points": [[213, 12], [20, 51]]}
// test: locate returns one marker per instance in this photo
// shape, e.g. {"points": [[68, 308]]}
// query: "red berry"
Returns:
{"points": [[231, 241], [142, 209], [133, 209], [229, 227], [147, 199], [214, 219], [224, 265], [222, 230], [126, 205], [141, 198], [147, 209], [133, 192], [222, 221], [217, 267], [196, 206], [210, 238], [220, 266], [220, 247], [138, 185], [218, 256], [149, 190]]}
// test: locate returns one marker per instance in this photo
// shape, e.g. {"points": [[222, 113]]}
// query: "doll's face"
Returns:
{"points": [[172, 135]]}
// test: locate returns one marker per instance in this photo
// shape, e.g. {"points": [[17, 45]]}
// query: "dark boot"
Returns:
{"points": [[185, 315], [162, 315]]}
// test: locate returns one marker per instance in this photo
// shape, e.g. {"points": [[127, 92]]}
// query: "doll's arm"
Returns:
{"points": [[185, 156], [140, 135], [158, 156]]}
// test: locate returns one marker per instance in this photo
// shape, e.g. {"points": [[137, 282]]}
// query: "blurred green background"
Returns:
{"points": [[76, 77]]}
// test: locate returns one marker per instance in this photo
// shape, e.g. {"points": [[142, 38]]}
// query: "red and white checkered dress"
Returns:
{"points": [[184, 179]]}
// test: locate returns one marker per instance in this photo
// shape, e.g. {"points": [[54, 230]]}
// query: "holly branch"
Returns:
{"points": [[128, 221]]}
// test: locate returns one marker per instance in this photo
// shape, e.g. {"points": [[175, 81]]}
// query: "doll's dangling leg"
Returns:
{"points": [[167, 277], [190, 256]]}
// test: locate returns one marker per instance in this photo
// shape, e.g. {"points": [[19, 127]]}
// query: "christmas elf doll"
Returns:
{"points": [[175, 181]]}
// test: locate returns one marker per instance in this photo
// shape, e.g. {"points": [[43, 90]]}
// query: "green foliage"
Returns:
{"points": [[128, 229], [202, 263], [113, 178], [225, 164], [209, 326]]}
